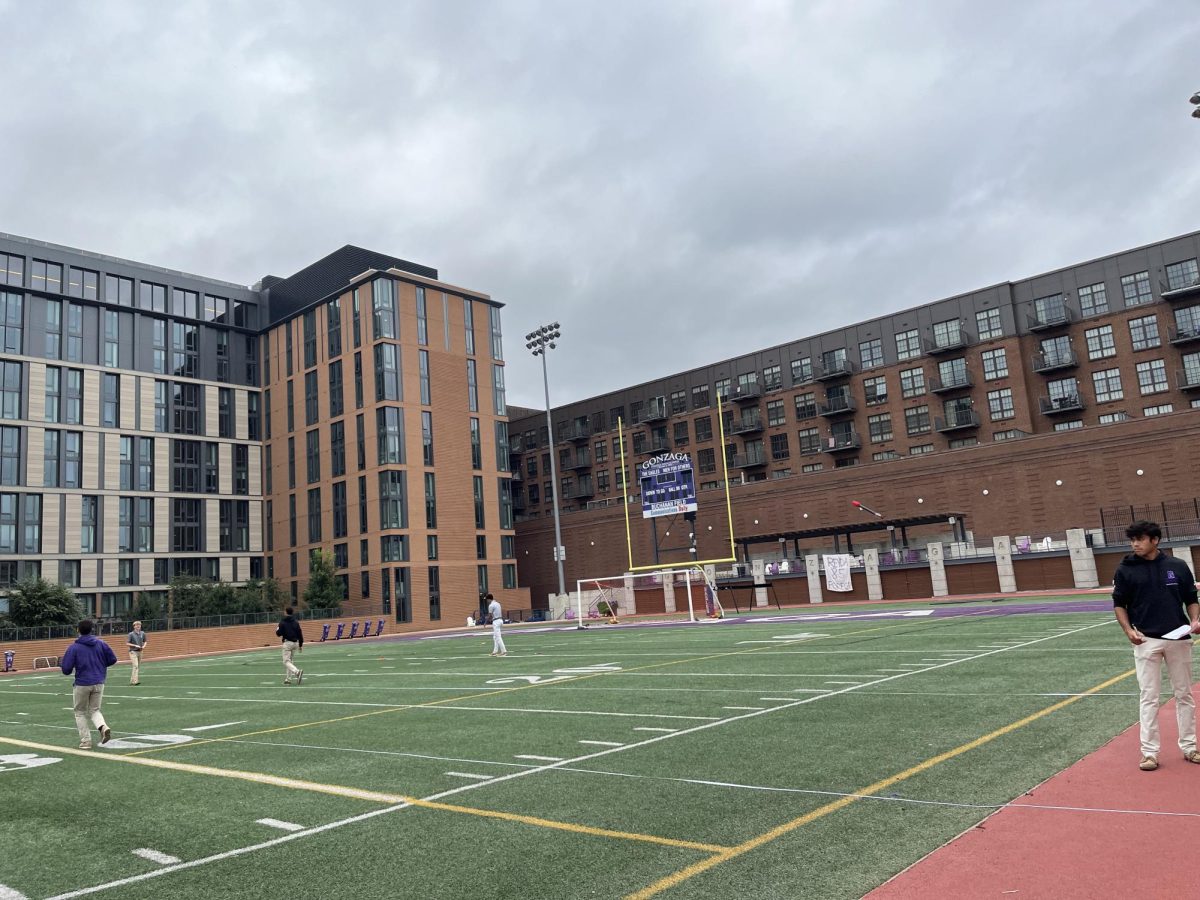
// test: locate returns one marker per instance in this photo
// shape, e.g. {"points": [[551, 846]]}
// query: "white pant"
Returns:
{"points": [[135, 659], [87, 707], [1149, 657], [497, 640], [289, 668]]}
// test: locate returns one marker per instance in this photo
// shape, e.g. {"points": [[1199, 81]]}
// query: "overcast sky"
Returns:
{"points": [[614, 166]]}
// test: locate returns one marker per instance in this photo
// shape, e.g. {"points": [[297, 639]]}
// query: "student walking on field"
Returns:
{"points": [[1154, 600], [496, 614], [137, 643], [89, 658], [293, 642]]}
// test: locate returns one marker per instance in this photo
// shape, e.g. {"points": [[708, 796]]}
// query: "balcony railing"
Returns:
{"points": [[1053, 406], [948, 343], [743, 392], [1048, 319], [956, 382], [837, 406], [1186, 292], [1185, 335], [660, 444], [1188, 379], [965, 418], [842, 368], [580, 489], [656, 411], [747, 424], [749, 460], [582, 460], [576, 432], [835, 443], [1053, 362]]}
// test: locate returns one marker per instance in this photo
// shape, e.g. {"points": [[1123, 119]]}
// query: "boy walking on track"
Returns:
{"points": [[1154, 600], [89, 658]]}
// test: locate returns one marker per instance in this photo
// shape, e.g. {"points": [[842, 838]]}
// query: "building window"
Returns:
{"points": [[312, 441], [184, 348], [1065, 389], [469, 325], [1136, 289], [358, 381], [704, 429], [776, 415], [908, 344], [1000, 404], [1107, 385], [699, 397], [920, 449], [383, 300], [46, 276], [1093, 299], [916, 420], [871, 353], [912, 383], [995, 364], [10, 456], [812, 467], [810, 441], [477, 494], [1182, 274], [185, 526], [393, 505], [706, 459], [10, 390], [74, 332], [12, 270], [497, 339], [312, 410], [337, 397], [1100, 343], [423, 368], [1151, 411], [12, 321], [341, 524], [806, 405], [427, 437], [779, 446], [772, 378], [875, 390], [959, 443], [431, 500], [678, 402], [314, 515], [987, 321], [948, 333], [112, 339], [680, 429], [498, 403], [880, 427], [333, 320], [337, 449], [884, 455], [1152, 376], [387, 372], [1113, 417]]}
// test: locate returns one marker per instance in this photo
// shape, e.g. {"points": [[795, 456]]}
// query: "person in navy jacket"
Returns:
{"points": [[89, 658], [1154, 600]]}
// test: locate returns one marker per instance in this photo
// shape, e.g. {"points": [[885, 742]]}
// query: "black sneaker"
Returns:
{"points": [[105, 734]]}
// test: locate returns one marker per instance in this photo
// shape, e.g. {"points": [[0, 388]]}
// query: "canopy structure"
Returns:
{"points": [[897, 530]]}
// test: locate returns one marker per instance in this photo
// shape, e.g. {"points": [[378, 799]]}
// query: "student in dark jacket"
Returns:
{"points": [[1154, 599], [293, 642], [89, 658]]}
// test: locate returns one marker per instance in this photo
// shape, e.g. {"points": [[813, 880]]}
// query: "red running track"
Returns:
{"points": [[1117, 832]]}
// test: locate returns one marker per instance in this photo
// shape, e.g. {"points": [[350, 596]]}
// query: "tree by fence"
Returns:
{"points": [[35, 602], [324, 589]]}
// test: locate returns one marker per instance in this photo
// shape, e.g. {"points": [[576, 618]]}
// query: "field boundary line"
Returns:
{"points": [[778, 831]]}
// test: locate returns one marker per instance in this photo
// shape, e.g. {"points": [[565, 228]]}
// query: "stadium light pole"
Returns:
{"points": [[538, 342]]}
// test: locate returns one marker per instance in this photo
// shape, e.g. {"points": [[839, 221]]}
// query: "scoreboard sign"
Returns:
{"points": [[667, 485]]}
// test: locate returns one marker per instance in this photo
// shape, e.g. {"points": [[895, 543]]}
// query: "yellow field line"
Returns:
{"points": [[682, 875], [370, 796], [432, 703]]}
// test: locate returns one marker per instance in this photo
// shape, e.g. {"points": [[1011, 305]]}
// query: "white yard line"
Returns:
{"points": [[163, 859], [473, 775], [742, 707], [604, 743], [644, 728], [282, 826], [553, 758], [211, 727]]}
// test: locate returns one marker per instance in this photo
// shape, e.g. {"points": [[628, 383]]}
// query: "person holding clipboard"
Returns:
{"points": [[1154, 600]]}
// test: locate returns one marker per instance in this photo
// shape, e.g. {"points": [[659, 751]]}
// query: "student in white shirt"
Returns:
{"points": [[497, 617]]}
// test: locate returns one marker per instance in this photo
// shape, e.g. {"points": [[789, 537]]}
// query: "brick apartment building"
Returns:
{"points": [[156, 424], [1029, 406]]}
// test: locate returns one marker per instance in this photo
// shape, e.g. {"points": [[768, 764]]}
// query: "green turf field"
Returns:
{"points": [[783, 757]]}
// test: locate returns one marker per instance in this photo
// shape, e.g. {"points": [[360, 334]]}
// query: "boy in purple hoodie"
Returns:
{"points": [[89, 658]]}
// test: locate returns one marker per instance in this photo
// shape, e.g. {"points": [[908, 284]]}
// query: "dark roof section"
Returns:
{"points": [[329, 275], [851, 528]]}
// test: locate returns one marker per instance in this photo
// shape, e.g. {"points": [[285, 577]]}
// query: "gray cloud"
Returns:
{"points": [[771, 169]]}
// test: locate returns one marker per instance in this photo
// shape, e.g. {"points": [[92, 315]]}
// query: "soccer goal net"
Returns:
{"points": [[606, 599]]}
